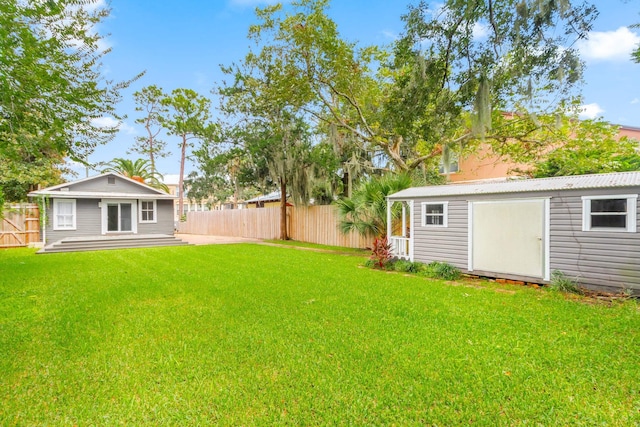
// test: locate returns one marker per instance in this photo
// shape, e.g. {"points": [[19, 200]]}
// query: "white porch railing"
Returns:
{"points": [[400, 246]]}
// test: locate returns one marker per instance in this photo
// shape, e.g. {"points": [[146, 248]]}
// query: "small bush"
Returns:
{"points": [[560, 282], [441, 270], [381, 252], [404, 266], [370, 263]]}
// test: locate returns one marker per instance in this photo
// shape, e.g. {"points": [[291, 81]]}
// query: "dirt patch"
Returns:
{"points": [[201, 239]]}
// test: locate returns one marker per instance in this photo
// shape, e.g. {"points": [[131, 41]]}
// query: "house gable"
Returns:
{"points": [[107, 183]]}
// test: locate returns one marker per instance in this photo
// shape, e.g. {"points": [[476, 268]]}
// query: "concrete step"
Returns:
{"points": [[105, 244], [115, 242]]}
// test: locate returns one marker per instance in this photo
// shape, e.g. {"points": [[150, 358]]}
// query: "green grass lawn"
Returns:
{"points": [[260, 335]]}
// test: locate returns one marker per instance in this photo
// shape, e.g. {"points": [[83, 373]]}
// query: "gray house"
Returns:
{"points": [[106, 211], [584, 226]]}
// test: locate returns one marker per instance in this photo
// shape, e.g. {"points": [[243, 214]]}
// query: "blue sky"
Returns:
{"points": [[182, 44]]}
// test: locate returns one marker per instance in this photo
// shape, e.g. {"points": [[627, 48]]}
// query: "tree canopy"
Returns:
{"points": [[589, 146], [149, 103], [446, 82], [188, 116], [52, 89]]}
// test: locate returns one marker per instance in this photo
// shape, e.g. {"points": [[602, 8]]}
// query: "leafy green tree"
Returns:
{"points": [[138, 170], [366, 211], [218, 175], [444, 85], [590, 146], [336, 84], [270, 123], [51, 88], [188, 117], [149, 101], [460, 67]]}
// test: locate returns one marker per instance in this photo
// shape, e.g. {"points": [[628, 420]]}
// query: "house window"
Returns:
{"points": [[148, 211], [609, 213], [111, 180], [64, 214], [434, 214]]}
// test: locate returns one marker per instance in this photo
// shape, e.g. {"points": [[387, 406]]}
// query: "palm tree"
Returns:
{"points": [[366, 211], [139, 170]]}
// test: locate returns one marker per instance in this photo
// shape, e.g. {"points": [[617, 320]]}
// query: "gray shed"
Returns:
{"points": [[584, 226], [108, 210]]}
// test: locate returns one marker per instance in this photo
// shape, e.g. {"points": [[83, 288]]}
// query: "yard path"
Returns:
{"points": [[203, 239]]}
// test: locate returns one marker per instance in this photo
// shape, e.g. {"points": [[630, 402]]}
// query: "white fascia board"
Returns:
{"points": [[100, 195]]}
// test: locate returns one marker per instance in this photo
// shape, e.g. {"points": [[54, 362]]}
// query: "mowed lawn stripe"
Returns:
{"points": [[257, 335]]}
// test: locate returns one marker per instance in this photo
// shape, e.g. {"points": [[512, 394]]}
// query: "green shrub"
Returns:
{"points": [[560, 282], [370, 263], [441, 270], [405, 266]]}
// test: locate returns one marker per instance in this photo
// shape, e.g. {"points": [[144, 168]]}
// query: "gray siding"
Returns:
{"points": [[600, 260], [608, 260], [89, 221], [448, 244], [164, 224], [101, 185]]}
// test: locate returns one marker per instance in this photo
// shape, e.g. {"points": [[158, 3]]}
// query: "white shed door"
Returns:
{"points": [[508, 237]]}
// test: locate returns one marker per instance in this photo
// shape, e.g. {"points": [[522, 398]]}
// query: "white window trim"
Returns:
{"points": [[632, 202], [445, 214], [134, 214], [155, 211], [56, 202]]}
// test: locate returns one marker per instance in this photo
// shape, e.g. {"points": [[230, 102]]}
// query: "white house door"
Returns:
{"points": [[509, 237], [119, 216]]}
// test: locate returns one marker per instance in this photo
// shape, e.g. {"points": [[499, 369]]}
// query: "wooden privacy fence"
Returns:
{"points": [[313, 224], [20, 225]]}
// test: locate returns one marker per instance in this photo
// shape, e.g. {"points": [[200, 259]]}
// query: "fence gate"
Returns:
{"points": [[20, 225]]}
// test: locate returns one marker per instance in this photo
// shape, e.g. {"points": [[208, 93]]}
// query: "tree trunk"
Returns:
{"points": [[181, 177], [346, 184], [283, 209], [151, 150]]}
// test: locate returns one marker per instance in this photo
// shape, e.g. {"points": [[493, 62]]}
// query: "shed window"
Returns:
{"points": [[148, 210], [609, 213], [64, 214], [434, 214]]}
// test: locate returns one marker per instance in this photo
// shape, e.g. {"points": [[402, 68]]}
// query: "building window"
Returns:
{"points": [[148, 210], [111, 180], [434, 214], [609, 213], [64, 214]]}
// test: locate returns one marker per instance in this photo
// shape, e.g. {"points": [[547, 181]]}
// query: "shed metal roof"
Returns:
{"points": [[273, 196], [607, 180]]}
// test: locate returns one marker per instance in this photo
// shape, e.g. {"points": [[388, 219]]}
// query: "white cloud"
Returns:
{"points": [[480, 31], [105, 122], [390, 35], [110, 122], [635, 101], [201, 78], [609, 45], [590, 111], [128, 129]]}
